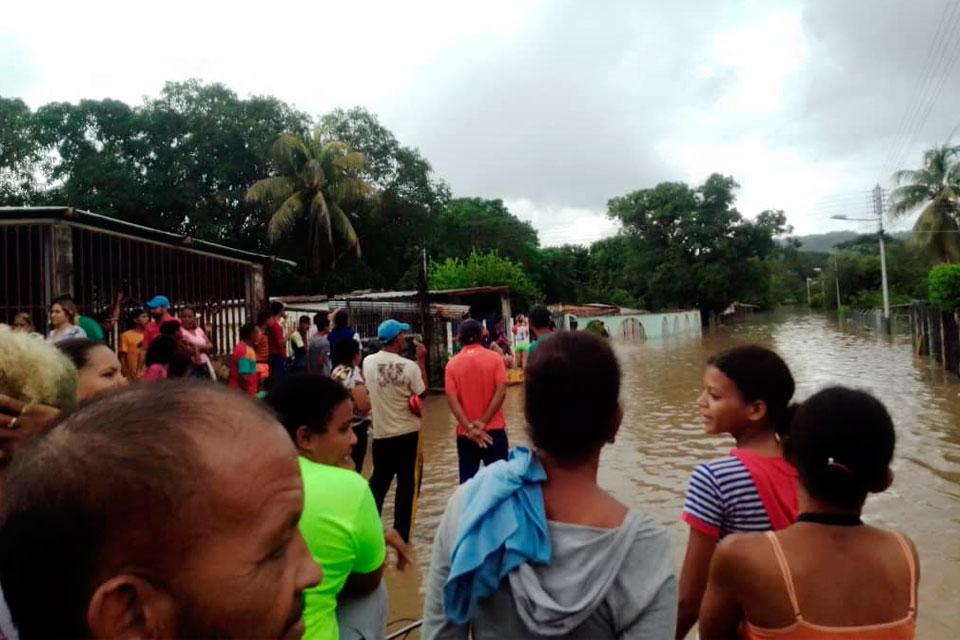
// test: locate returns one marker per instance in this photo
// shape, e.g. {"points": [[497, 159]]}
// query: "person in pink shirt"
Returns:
{"points": [[162, 350], [476, 383], [199, 343]]}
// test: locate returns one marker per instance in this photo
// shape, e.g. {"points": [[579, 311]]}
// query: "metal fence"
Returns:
{"points": [[24, 268], [105, 264], [101, 264]]}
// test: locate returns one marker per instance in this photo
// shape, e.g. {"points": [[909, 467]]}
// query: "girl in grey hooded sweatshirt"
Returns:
{"points": [[609, 570]]}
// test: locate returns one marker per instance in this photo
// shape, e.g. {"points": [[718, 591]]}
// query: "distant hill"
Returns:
{"points": [[825, 242]]}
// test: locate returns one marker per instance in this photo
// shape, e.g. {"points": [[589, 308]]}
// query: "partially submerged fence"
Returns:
{"points": [[936, 334]]}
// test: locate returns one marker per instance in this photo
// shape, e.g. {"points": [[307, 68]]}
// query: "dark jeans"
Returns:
{"points": [[278, 367], [398, 456], [360, 449], [471, 454]]}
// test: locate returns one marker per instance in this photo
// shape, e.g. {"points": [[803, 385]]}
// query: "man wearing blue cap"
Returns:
{"points": [[395, 385], [159, 308]]}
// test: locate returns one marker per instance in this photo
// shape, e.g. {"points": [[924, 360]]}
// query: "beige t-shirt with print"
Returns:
{"points": [[391, 380]]}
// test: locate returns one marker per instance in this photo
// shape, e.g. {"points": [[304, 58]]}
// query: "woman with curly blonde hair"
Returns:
{"points": [[37, 382]]}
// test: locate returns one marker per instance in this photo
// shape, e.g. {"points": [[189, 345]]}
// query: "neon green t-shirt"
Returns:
{"points": [[342, 528]]}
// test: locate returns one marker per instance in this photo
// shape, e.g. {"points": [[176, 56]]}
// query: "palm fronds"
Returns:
{"points": [[317, 179], [936, 188]]}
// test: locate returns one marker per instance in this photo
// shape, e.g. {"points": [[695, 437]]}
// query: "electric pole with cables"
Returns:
{"points": [[878, 210]]}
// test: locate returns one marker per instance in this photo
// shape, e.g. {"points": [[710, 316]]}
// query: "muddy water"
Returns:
{"points": [[661, 440]]}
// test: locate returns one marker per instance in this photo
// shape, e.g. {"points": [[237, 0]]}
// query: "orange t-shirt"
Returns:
{"points": [[262, 348], [473, 375], [130, 346]]}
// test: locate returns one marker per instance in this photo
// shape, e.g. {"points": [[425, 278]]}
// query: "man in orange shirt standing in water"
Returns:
{"points": [[476, 384]]}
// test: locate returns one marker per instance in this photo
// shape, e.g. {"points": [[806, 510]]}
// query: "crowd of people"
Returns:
{"points": [[113, 462]]}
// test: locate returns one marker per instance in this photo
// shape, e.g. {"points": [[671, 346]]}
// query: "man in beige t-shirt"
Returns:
{"points": [[392, 381]]}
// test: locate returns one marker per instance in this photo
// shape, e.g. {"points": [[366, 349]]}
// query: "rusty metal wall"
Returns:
{"points": [[105, 264], [24, 272]]}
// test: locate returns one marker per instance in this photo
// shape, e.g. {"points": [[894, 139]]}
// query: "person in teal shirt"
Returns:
{"points": [[340, 521], [90, 327], [541, 326]]}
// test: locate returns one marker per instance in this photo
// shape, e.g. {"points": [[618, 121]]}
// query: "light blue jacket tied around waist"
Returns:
{"points": [[503, 525]]}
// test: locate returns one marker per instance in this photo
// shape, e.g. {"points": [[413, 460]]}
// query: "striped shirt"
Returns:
{"points": [[722, 498]]}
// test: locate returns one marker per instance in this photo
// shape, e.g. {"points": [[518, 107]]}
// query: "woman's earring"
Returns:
{"points": [[612, 440]]}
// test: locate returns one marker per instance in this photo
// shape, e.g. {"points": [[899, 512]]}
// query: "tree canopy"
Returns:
{"points": [[256, 173], [691, 247]]}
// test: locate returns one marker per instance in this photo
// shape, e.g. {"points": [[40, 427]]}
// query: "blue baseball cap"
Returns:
{"points": [[390, 329], [158, 301]]}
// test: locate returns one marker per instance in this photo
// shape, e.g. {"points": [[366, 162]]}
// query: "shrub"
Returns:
{"points": [[480, 270], [944, 286]]}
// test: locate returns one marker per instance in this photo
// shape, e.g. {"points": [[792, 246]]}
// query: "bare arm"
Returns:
{"points": [[721, 613], [361, 398], [693, 580], [124, 367], [457, 409], [115, 314], [360, 584], [207, 332], [422, 365]]}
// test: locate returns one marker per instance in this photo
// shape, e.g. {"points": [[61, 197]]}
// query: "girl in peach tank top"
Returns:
{"points": [[902, 629], [828, 576]]}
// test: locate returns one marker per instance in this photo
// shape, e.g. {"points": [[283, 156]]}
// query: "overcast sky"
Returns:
{"points": [[555, 107]]}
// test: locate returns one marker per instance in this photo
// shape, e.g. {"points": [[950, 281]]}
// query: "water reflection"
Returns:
{"points": [[662, 439]]}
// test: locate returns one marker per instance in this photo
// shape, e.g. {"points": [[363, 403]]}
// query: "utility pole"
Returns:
{"points": [[808, 291], [426, 322], [836, 273], [878, 209]]}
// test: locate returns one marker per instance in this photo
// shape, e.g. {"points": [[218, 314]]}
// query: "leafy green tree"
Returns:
{"points": [[317, 177], [936, 188], [480, 270], [19, 153], [944, 284], [691, 247], [563, 273], [181, 162], [859, 274], [463, 225]]}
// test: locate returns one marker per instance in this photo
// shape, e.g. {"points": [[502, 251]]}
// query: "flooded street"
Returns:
{"points": [[662, 439]]}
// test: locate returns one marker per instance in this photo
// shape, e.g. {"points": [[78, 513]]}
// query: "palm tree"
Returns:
{"points": [[936, 188], [317, 178]]}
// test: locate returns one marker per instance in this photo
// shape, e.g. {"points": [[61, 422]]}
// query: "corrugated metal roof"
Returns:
{"points": [[439, 310], [585, 310], [402, 295], [11, 215]]}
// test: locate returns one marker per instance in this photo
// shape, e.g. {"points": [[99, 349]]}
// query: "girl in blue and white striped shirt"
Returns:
{"points": [[746, 393]]}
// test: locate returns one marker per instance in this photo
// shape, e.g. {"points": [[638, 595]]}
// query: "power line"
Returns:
{"points": [[938, 64], [947, 72], [917, 96]]}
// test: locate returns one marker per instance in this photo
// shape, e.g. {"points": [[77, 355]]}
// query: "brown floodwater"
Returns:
{"points": [[661, 440]]}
